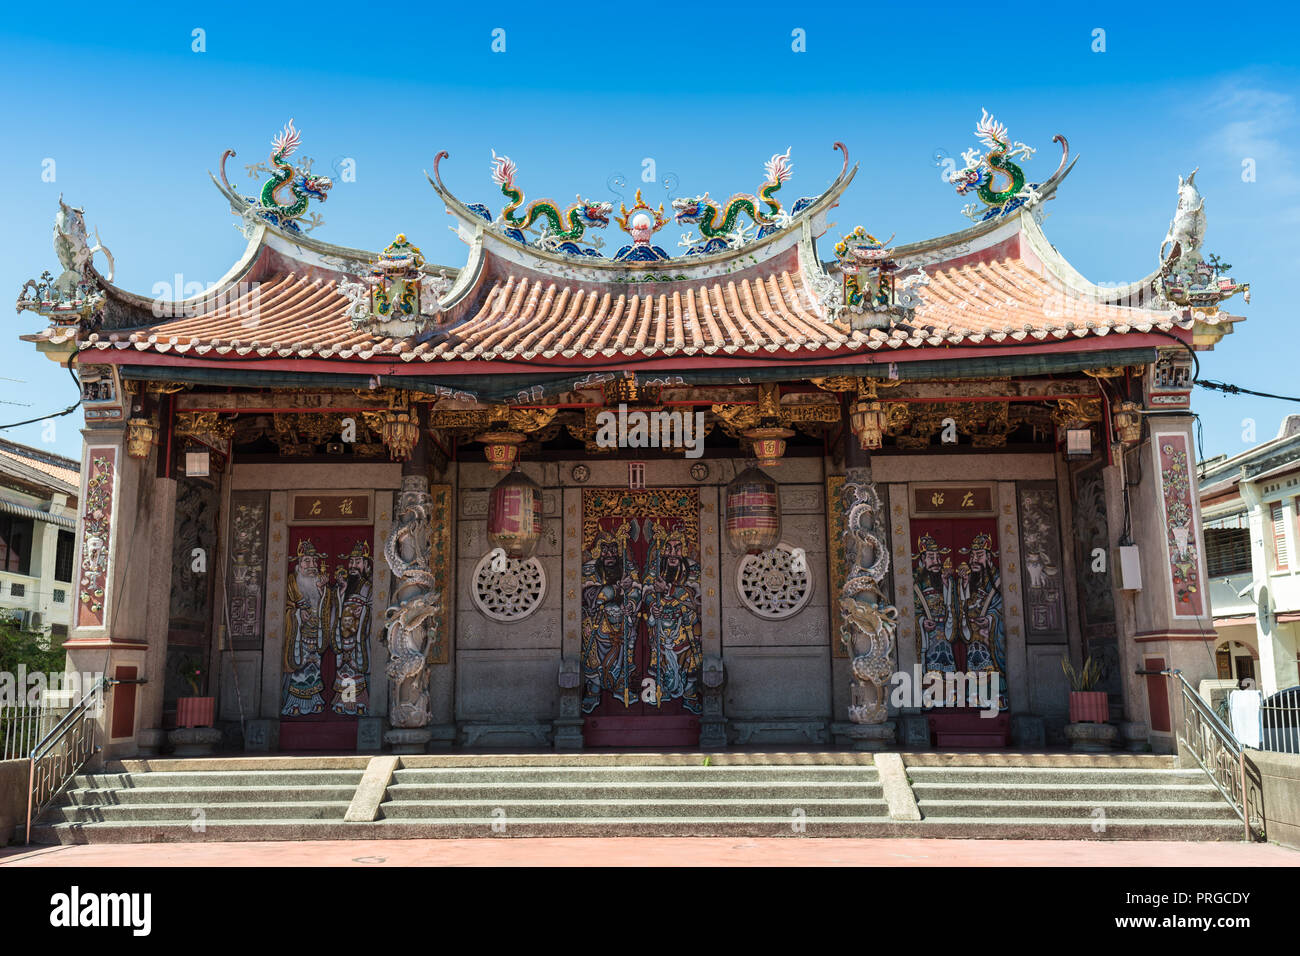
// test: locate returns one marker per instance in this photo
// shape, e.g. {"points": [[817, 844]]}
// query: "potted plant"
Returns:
{"points": [[194, 711], [1086, 705]]}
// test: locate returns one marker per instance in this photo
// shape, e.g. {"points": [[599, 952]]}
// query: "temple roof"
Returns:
{"points": [[997, 284], [1003, 293]]}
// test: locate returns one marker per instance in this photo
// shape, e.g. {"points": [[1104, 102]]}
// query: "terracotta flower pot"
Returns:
{"points": [[1089, 706], [194, 711]]}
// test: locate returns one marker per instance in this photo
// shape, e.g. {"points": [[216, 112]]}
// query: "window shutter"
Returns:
{"points": [[1279, 537]]}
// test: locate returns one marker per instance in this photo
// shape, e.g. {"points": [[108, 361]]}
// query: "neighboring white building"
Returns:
{"points": [[38, 520], [1250, 508]]}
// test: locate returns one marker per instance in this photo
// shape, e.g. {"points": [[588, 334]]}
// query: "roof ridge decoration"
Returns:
{"points": [[270, 205], [76, 297], [1187, 279], [579, 216], [869, 283], [720, 228], [645, 221], [996, 178], [398, 299], [721, 225]]}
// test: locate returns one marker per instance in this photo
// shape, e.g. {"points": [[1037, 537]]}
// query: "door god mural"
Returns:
{"points": [[327, 623], [958, 606], [640, 603]]}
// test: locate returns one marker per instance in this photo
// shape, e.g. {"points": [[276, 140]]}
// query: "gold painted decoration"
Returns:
{"points": [[141, 434]]}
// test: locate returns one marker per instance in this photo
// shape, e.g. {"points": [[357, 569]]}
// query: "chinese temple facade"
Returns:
{"points": [[781, 488]]}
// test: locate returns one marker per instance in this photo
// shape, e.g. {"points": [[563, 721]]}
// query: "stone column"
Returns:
{"points": [[414, 604], [869, 622], [122, 577]]}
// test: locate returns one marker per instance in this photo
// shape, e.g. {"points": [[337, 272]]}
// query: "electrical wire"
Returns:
{"points": [[67, 411]]}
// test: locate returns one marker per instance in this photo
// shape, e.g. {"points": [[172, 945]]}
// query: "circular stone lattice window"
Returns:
{"points": [[510, 595], [770, 587]]}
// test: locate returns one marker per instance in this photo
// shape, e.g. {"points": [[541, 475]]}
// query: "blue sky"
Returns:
{"points": [[134, 117]]}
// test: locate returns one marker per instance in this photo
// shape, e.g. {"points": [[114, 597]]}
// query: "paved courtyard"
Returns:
{"points": [[637, 851]]}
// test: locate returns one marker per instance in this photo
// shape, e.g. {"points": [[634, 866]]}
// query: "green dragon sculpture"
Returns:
{"points": [[304, 186], [579, 217], [718, 224], [996, 178]]}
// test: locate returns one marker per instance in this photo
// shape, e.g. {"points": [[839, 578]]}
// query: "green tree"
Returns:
{"points": [[28, 648]]}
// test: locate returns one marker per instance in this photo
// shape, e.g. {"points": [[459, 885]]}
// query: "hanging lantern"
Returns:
{"points": [[399, 431], [140, 434], [501, 448], [515, 515], [768, 444], [868, 420], [753, 512], [1128, 422]]}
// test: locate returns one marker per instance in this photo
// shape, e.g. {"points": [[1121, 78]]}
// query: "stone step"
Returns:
{"points": [[140, 812], [634, 807], [179, 831], [176, 780], [1068, 809], [1051, 775], [204, 796], [673, 790], [1075, 792], [615, 774]]}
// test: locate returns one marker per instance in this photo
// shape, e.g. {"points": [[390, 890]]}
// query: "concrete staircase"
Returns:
{"points": [[1072, 803], [1057, 796]]}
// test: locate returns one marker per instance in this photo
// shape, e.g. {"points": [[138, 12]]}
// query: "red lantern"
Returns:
{"points": [[515, 515], [753, 512]]}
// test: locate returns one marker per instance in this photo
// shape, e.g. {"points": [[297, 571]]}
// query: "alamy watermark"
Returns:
{"points": [[651, 429]]}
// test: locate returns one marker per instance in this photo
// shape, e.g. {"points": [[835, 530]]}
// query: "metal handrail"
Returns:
{"points": [[1217, 751], [61, 753]]}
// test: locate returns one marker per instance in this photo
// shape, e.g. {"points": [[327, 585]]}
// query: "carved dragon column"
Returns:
{"points": [[415, 602], [868, 622]]}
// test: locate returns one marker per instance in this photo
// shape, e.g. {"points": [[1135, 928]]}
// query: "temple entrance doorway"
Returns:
{"points": [[961, 632], [327, 624], [641, 652]]}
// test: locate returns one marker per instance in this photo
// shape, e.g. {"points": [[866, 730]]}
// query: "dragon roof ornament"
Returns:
{"points": [[286, 195], [996, 178], [742, 219]]}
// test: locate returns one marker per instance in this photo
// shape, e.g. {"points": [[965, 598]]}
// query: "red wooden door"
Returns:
{"points": [[960, 627], [641, 633], [326, 658]]}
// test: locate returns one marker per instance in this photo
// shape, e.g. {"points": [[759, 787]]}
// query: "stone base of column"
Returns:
{"points": [[408, 740], [865, 736], [568, 733], [1091, 738], [193, 741]]}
